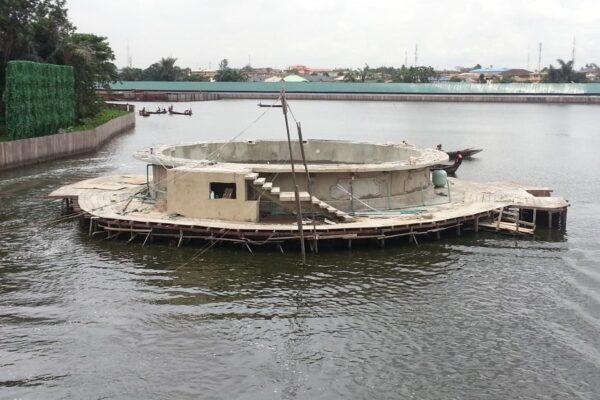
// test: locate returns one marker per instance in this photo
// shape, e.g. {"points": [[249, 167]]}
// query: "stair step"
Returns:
{"points": [[251, 176], [259, 181], [315, 200], [268, 185], [275, 190], [291, 196]]}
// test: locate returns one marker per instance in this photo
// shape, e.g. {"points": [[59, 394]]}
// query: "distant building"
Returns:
{"points": [[205, 73], [294, 78], [304, 70]]}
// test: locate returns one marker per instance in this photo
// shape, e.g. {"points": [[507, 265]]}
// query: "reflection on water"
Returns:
{"points": [[470, 317]]}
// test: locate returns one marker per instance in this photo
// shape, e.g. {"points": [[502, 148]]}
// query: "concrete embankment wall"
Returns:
{"points": [[465, 98], [22, 152], [461, 98]]}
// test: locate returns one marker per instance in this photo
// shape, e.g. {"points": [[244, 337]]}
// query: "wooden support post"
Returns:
{"points": [[296, 190], [458, 229], [438, 235], [180, 238], [309, 187], [147, 237], [550, 219], [476, 226], [349, 244]]}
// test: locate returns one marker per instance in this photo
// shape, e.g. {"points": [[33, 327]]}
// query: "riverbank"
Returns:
{"points": [[571, 93], [84, 138]]}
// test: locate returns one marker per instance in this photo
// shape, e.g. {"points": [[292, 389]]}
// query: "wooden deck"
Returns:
{"points": [[116, 206]]}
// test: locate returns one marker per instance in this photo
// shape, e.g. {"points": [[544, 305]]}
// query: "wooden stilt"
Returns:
{"points": [[147, 237], [550, 220], [476, 226], [296, 190], [315, 248]]}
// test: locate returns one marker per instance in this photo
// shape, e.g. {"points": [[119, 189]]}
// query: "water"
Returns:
{"points": [[476, 317]]}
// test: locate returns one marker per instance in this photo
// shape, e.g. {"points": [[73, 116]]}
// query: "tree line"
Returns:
{"points": [[166, 70], [40, 31]]}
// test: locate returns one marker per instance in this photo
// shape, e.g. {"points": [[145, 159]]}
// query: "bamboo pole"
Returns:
{"points": [[296, 191]]}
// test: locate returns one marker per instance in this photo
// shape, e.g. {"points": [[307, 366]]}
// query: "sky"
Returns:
{"points": [[344, 33]]}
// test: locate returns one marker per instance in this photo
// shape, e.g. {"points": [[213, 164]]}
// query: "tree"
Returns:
{"points": [[163, 70], [31, 30], [420, 74], [478, 66], [226, 74], [481, 79], [350, 76], [91, 58], [39, 30], [131, 74], [564, 74]]}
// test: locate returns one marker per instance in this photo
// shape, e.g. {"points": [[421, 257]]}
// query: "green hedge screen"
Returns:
{"points": [[39, 98]]}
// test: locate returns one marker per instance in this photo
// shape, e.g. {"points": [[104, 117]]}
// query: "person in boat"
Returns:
{"points": [[459, 158], [439, 147], [171, 108]]}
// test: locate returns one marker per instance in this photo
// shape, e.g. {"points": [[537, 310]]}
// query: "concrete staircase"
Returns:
{"points": [[288, 199]]}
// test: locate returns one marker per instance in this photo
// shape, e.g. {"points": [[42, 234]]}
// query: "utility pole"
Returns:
{"points": [[405, 58], [573, 55], [540, 57], [416, 55]]}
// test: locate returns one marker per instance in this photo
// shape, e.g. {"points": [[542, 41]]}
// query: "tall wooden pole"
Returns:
{"points": [[308, 185], [297, 192]]}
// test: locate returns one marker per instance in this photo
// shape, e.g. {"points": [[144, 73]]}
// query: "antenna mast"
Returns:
{"points": [[416, 55], [540, 57]]}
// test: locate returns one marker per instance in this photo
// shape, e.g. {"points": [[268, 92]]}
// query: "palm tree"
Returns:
{"points": [[566, 70]]}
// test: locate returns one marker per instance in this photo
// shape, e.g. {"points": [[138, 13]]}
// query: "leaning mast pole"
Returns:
{"points": [[296, 190]]}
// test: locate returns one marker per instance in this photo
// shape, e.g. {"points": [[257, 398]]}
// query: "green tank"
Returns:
{"points": [[439, 178]]}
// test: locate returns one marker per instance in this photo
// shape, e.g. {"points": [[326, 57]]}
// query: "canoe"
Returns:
{"points": [[466, 152], [269, 105], [186, 112]]}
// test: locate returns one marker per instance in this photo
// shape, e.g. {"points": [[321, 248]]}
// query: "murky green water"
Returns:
{"points": [[476, 317]]}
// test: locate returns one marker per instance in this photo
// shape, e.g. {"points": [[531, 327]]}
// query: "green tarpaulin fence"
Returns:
{"points": [[39, 98]]}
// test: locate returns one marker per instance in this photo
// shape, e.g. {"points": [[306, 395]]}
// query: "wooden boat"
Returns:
{"points": [[466, 152], [269, 105], [450, 168], [144, 113], [186, 112], [163, 111]]}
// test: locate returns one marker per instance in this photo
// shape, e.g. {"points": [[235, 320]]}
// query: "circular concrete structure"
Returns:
{"points": [[345, 177], [273, 155]]}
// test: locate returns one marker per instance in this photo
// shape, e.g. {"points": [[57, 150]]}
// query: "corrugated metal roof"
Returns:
{"points": [[294, 78], [489, 70], [372, 88]]}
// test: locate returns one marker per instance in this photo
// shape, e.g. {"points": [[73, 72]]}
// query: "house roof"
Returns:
{"points": [[294, 78], [489, 70]]}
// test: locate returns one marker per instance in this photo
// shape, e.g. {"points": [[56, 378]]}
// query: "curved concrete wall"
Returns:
{"points": [[22, 152], [316, 151]]}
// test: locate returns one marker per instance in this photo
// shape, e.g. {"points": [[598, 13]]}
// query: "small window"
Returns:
{"points": [[221, 190]]}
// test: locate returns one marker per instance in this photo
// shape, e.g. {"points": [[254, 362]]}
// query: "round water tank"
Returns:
{"points": [[439, 178]]}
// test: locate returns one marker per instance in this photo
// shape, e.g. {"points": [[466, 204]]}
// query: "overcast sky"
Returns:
{"points": [[344, 33]]}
